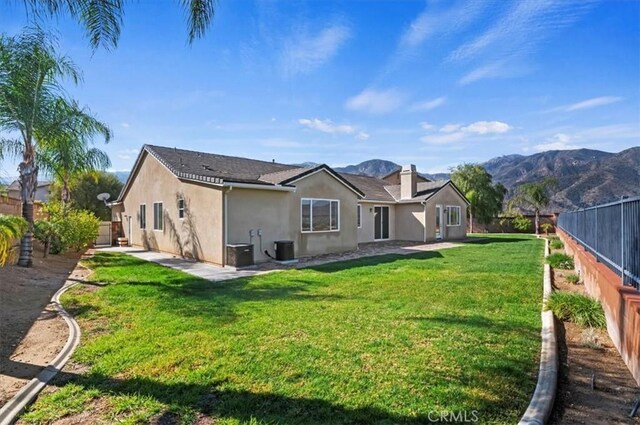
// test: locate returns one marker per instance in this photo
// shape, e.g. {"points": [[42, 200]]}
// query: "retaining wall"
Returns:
{"points": [[621, 304]]}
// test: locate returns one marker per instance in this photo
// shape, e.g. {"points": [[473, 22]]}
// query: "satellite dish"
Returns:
{"points": [[103, 197]]}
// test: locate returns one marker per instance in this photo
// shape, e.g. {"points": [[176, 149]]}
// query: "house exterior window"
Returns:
{"points": [[453, 215], [359, 211], [157, 216], [319, 215], [180, 208], [143, 217]]}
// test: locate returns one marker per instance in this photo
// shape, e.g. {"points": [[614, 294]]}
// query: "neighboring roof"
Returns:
{"points": [[373, 187], [15, 185]]}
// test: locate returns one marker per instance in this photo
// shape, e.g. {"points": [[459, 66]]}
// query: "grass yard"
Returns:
{"points": [[380, 340]]}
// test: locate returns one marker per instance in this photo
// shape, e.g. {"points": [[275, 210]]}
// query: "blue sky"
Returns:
{"points": [[435, 83]]}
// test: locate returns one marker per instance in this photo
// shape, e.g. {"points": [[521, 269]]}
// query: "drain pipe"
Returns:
{"points": [[225, 226], [424, 206]]}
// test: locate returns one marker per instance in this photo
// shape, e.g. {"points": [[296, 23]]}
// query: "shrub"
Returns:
{"points": [[573, 278], [560, 261], [577, 308], [11, 229], [66, 228], [522, 224], [546, 227], [557, 244]]}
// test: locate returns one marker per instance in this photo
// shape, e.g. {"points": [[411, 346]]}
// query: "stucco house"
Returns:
{"points": [[195, 204]]}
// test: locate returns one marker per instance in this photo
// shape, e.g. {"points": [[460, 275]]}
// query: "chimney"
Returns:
{"points": [[408, 181]]}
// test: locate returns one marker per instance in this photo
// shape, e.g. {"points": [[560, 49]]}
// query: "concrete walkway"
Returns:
{"points": [[204, 270], [216, 273]]}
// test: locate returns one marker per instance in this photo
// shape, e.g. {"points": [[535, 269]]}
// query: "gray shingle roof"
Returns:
{"points": [[424, 190], [218, 169], [215, 168], [373, 187]]}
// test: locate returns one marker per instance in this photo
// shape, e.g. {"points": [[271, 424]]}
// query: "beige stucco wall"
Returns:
{"points": [[277, 214], [366, 232], [446, 196], [199, 234], [410, 222], [267, 210]]}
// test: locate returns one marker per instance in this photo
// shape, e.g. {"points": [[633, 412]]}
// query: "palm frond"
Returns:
{"points": [[200, 14]]}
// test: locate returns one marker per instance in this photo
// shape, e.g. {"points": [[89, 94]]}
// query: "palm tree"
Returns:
{"points": [[534, 196], [102, 19], [31, 98], [65, 151], [11, 228]]}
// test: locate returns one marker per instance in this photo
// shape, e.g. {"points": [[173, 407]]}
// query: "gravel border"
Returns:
{"points": [[12, 408], [544, 395]]}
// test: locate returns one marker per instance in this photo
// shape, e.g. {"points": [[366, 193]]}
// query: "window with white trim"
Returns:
{"points": [[359, 210], [453, 215], [158, 216], [180, 208], [142, 218], [320, 215]]}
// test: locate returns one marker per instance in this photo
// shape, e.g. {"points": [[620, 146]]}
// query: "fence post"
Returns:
{"points": [[597, 258], [622, 239]]}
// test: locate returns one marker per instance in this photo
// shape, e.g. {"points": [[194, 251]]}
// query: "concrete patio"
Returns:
{"points": [[217, 274]]}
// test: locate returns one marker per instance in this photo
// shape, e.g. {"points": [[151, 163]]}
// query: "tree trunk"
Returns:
{"points": [[28, 184], [537, 222], [470, 221]]}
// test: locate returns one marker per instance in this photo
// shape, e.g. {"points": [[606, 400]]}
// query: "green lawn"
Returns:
{"points": [[380, 340]]}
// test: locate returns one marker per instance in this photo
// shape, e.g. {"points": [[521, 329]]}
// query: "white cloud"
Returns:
{"points": [[363, 136], [452, 133], [304, 52], [492, 70], [375, 101], [326, 126], [450, 128], [522, 28], [441, 139], [426, 126], [503, 48], [487, 127], [430, 23], [587, 104], [125, 125], [559, 141], [428, 105]]}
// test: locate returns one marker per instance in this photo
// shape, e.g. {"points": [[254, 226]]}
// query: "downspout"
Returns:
{"points": [[225, 224], [424, 226]]}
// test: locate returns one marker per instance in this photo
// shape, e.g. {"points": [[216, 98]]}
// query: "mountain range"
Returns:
{"points": [[585, 176]]}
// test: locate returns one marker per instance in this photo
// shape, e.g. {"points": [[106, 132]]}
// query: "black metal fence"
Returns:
{"points": [[611, 232]]}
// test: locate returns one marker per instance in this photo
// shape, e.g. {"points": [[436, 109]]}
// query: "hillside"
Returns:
{"points": [[585, 176]]}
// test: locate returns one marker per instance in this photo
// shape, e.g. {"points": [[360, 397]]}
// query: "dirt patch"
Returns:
{"points": [[31, 333], [594, 385]]}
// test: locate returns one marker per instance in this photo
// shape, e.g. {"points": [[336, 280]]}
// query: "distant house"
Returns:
{"points": [[195, 204], [43, 191]]}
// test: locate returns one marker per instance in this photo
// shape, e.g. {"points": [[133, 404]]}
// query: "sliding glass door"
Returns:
{"points": [[381, 223]]}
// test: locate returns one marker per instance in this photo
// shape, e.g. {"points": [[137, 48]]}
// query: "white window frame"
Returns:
{"points": [[181, 210], [359, 218], [161, 228], [311, 215], [142, 219], [448, 217]]}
